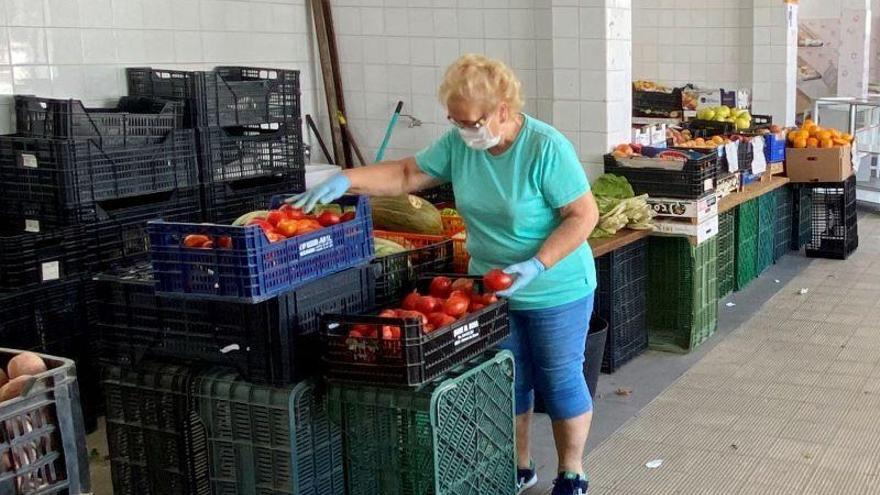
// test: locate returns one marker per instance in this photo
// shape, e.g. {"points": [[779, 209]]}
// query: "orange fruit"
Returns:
{"points": [[822, 136], [835, 133], [800, 142], [827, 143], [847, 136], [812, 143], [840, 142], [808, 122]]}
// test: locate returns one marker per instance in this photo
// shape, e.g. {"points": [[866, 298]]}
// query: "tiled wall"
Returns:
{"points": [[78, 48], [398, 50], [705, 42]]}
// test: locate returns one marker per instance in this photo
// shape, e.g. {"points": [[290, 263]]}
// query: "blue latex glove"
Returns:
{"points": [[325, 192], [523, 274]]}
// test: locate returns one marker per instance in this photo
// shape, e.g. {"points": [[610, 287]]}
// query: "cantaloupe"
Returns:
{"points": [[406, 214]]}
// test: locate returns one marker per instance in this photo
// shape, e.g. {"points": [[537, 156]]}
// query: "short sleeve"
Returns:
{"points": [[563, 178], [436, 159]]}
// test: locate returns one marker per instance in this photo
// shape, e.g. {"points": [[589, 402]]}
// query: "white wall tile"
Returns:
{"points": [[128, 13], [64, 45], [27, 45], [99, 46], [68, 81], [25, 13], [61, 13], [187, 47], [186, 14]]}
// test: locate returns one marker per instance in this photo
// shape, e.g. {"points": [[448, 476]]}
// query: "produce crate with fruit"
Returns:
{"points": [[746, 261], [401, 259], [656, 101], [157, 443], [726, 253], [263, 253], [714, 117], [766, 230], [51, 183], [441, 325], [835, 229], [266, 440], [451, 437], [225, 96], [272, 342], [783, 219], [621, 300], [134, 120], [682, 293], [44, 442], [664, 173], [223, 202]]}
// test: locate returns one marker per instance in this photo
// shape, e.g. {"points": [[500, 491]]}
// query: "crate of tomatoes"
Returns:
{"points": [[263, 253], [441, 324]]}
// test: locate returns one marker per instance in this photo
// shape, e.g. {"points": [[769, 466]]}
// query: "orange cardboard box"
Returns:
{"points": [[804, 165]]}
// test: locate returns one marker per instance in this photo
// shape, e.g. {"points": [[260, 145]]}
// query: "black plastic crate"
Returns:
{"points": [[222, 203], [135, 120], [250, 152], [44, 439], [226, 96], [397, 274], [268, 342], [621, 300], [416, 357], [784, 209], [157, 443], [835, 232], [120, 237], [57, 183], [710, 128], [695, 180], [439, 195], [31, 259], [657, 104], [802, 216]]}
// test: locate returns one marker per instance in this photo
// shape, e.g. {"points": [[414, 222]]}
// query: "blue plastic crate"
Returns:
{"points": [[774, 148], [253, 269]]}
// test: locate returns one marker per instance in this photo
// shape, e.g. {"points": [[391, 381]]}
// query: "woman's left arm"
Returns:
{"points": [[579, 218]]}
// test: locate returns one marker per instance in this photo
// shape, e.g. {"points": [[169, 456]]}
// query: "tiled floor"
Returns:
{"points": [[789, 402]]}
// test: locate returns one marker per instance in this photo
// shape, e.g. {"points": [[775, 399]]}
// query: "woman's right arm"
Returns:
{"points": [[389, 178]]}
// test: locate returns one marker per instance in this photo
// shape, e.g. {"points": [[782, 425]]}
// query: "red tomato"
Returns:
{"points": [[463, 284], [275, 216], [475, 306], [328, 218], [307, 225], [495, 280], [388, 313], [195, 240], [441, 287], [489, 299], [287, 227], [348, 216], [428, 329], [390, 333], [440, 320], [263, 224], [460, 294], [411, 301], [291, 213], [355, 334], [208, 245], [455, 307], [428, 305], [224, 242], [361, 330], [274, 236]]}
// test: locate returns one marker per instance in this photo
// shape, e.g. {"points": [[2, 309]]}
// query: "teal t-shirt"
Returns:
{"points": [[511, 204]]}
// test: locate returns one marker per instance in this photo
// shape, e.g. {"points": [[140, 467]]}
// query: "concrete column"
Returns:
{"points": [[774, 55], [592, 75], [855, 48]]}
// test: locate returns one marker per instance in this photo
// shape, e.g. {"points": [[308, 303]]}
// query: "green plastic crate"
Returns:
{"points": [[454, 436], [726, 252], [766, 230], [266, 440], [682, 293], [746, 261], [782, 236]]}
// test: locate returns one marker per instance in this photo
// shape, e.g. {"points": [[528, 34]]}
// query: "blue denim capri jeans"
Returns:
{"points": [[548, 348]]}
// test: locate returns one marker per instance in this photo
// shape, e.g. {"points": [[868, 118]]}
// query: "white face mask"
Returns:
{"points": [[478, 139]]}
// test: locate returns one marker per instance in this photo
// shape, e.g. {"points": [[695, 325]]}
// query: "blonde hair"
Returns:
{"points": [[480, 79]]}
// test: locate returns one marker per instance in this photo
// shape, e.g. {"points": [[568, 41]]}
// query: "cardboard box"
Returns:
{"points": [[805, 165], [694, 210], [727, 185], [696, 233]]}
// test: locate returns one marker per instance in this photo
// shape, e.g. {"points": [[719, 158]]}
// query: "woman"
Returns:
{"points": [[528, 207]]}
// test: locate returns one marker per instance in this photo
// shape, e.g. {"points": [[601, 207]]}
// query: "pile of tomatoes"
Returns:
{"points": [[278, 225], [447, 301]]}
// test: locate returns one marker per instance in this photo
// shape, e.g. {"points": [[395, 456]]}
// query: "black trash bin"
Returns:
{"points": [[593, 358]]}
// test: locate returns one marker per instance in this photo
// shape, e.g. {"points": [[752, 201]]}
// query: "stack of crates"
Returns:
{"points": [[682, 293], [802, 216], [78, 186], [783, 221], [746, 261], [766, 231], [726, 253], [248, 125]]}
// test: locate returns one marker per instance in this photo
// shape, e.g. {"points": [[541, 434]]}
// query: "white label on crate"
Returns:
{"points": [[316, 245], [708, 185], [29, 161], [51, 271], [31, 225], [759, 162], [731, 151], [466, 333]]}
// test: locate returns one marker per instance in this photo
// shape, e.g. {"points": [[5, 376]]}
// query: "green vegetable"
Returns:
{"points": [[247, 217], [385, 247], [406, 213], [332, 207], [619, 207]]}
